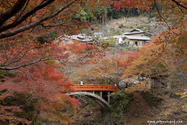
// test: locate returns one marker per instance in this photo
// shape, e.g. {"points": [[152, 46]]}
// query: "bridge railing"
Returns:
{"points": [[95, 87]]}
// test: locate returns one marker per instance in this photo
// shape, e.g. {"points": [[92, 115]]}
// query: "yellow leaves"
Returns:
{"points": [[150, 58], [184, 95], [184, 108], [137, 87]]}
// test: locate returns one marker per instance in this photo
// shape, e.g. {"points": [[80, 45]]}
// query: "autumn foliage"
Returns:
{"points": [[35, 74], [105, 69], [31, 64], [30, 61]]}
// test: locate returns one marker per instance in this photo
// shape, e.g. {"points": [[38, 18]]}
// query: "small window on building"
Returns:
{"points": [[141, 35], [136, 43], [128, 42]]}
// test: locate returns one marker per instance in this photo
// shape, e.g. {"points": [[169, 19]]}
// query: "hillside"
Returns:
{"points": [[125, 24]]}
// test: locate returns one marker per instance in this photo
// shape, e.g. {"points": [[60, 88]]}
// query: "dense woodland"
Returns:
{"points": [[36, 71], [102, 13]]}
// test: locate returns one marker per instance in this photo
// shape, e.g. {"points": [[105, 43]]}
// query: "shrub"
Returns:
{"points": [[121, 26]]}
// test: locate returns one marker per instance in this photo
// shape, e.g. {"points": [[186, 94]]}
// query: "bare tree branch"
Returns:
{"points": [[179, 4], [24, 65], [21, 29], [25, 16], [12, 11], [21, 12], [170, 29], [60, 24]]}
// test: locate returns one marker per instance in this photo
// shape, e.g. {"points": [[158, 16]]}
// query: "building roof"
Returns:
{"points": [[107, 37], [98, 34], [119, 36], [160, 74], [134, 31], [138, 38], [79, 37]]}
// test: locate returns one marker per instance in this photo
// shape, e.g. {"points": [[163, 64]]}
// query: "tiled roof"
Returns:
{"points": [[134, 31], [138, 38]]}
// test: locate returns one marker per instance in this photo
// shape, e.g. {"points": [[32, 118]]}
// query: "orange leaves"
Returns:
{"points": [[146, 62], [137, 87], [164, 53]]}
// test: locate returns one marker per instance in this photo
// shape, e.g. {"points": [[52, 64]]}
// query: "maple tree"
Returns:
{"points": [[106, 69], [27, 66], [21, 15], [146, 64], [80, 55], [164, 54], [33, 71]]}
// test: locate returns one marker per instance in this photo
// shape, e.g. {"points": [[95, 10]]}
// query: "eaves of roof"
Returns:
{"points": [[129, 33], [138, 38], [160, 74]]}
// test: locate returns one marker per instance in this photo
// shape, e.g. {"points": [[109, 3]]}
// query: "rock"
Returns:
{"points": [[80, 117]]}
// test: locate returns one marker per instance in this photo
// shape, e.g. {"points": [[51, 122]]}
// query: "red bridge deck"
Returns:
{"points": [[95, 87]]}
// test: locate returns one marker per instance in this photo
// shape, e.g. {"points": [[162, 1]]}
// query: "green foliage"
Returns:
{"points": [[143, 122], [2, 74], [52, 34], [112, 29], [123, 12], [117, 14], [152, 14], [136, 115], [41, 40], [132, 12], [131, 27], [96, 13], [120, 102], [160, 64], [117, 32], [146, 28], [121, 26], [81, 15], [111, 41]]}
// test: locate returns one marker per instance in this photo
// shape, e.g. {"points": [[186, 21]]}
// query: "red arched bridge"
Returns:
{"points": [[98, 93], [95, 87]]}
